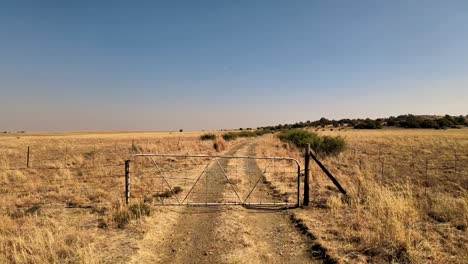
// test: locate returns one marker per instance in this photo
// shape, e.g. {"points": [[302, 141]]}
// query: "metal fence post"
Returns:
{"points": [[306, 176], [127, 181], [298, 186]]}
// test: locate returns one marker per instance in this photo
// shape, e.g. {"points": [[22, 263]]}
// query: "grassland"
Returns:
{"points": [[408, 196], [70, 200], [408, 199]]}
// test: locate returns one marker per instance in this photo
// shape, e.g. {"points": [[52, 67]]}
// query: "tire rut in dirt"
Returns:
{"points": [[194, 238]]}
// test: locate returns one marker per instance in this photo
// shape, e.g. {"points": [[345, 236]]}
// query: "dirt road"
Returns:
{"points": [[223, 234]]}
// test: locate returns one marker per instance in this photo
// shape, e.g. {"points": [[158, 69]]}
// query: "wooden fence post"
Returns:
{"points": [[127, 181], [306, 176], [27, 159]]}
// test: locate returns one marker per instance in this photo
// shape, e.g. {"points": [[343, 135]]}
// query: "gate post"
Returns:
{"points": [[127, 181], [306, 175], [298, 186]]}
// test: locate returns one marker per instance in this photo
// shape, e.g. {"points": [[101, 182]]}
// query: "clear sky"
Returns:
{"points": [[153, 65]]}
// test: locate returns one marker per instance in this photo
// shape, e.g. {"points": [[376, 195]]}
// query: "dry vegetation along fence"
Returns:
{"points": [[81, 179]]}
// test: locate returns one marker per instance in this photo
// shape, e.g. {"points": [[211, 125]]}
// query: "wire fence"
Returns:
{"points": [[55, 182], [429, 170], [58, 171]]}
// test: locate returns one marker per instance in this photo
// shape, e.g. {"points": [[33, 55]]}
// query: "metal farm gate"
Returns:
{"points": [[175, 179]]}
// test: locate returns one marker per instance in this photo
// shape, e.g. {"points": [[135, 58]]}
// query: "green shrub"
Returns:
{"points": [[261, 132], [331, 145], [368, 124], [229, 136], [208, 136], [326, 145], [246, 134], [299, 137]]}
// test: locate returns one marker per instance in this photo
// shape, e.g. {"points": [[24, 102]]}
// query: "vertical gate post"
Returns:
{"points": [[127, 181], [306, 175], [298, 186], [27, 159]]}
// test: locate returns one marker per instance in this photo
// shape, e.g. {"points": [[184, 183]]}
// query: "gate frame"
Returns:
{"points": [[216, 157]]}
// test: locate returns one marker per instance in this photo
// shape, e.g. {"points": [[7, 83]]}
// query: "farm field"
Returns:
{"points": [[408, 196], [407, 199], [233, 132]]}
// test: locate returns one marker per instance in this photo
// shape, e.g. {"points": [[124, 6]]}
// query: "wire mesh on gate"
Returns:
{"points": [[171, 179]]}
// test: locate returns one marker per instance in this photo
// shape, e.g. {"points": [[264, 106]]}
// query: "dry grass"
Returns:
{"points": [[397, 212], [69, 203], [73, 190]]}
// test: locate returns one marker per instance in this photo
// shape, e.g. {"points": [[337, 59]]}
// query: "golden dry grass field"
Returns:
{"points": [[407, 201], [54, 211], [408, 196]]}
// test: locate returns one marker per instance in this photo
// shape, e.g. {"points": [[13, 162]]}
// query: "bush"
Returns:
{"points": [[246, 134], [229, 136], [326, 145], [331, 145], [262, 132], [368, 124], [299, 137], [208, 136], [428, 123]]}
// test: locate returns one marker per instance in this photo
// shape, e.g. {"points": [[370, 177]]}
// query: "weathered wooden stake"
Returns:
{"points": [[455, 163], [426, 184], [382, 168], [27, 159], [306, 175], [127, 181]]}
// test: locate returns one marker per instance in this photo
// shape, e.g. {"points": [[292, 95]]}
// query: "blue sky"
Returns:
{"points": [[144, 65]]}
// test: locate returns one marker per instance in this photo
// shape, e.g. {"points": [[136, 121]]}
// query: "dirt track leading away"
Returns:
{"points": [[223, 234]]}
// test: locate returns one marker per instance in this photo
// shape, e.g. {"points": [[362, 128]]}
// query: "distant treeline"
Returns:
{"points": [[404, 121]]}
